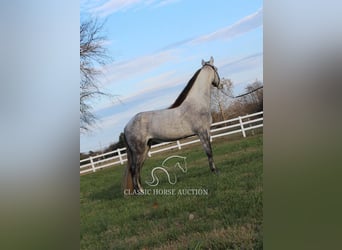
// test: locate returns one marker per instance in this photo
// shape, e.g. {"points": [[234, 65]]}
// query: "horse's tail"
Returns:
{"points": [[127, 180]]}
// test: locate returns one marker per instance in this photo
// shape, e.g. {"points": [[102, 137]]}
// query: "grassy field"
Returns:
{"points": [[229, 216]]}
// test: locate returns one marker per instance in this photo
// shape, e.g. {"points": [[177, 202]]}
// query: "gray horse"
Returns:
{"points": [[189, 115]]}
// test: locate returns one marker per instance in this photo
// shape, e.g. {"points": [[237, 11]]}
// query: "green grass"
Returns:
{"points": [[229, 217]]}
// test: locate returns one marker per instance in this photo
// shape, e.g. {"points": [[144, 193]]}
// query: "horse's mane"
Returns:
{"points": [[185, 91]]}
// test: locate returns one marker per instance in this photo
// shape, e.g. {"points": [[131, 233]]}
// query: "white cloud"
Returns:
{"points": [[159, 82], [245, 63], [111, 6], [116, 119], [242, 26], [114, 6], [117, 72], [166, 2]]}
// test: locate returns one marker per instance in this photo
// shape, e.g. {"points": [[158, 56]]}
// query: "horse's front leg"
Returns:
{"points": [[205, 140]]}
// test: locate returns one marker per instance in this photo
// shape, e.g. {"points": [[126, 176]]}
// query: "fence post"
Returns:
{"points": [[250, 125], [242, 129], [120, 156], [149, 153], [92, 163], [179, 145]]}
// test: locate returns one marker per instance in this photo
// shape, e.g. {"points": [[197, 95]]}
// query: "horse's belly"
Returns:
{"points": [[170, 130]]}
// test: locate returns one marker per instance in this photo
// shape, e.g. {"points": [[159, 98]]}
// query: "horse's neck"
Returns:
{"points": [[199, 95]]}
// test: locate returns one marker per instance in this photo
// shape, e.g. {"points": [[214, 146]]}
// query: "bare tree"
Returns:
{"points": [[221, 98], [93, 54], [226, 106], [254, 100]]}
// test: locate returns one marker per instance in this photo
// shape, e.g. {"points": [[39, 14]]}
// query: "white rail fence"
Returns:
{"points": [[240, 124]]}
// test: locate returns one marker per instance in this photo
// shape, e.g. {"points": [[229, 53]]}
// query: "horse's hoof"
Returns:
{"points": [[139, 192], [216, 172]]}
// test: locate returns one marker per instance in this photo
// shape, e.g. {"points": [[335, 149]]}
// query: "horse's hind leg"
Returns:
{"points": [[138, 158], [133, 171], [140, 161], [205, 140], [128, 183]]}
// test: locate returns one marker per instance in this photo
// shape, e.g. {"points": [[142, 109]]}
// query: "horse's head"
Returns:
{"points": [[216, 82]]}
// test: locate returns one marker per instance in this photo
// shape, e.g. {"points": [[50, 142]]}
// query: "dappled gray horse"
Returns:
{"points": [[189, 115]]}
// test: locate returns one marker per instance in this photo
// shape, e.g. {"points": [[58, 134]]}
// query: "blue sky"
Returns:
{"points": [[157, 46]]}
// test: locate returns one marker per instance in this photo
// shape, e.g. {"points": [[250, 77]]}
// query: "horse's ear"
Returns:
{"points": [[212, 60], [203, 62]]}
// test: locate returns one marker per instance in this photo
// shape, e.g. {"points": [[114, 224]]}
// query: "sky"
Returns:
{"points": [[157, 46]]}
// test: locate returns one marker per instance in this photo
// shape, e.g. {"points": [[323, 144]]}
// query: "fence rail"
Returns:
{"points": [[239, 124]]}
